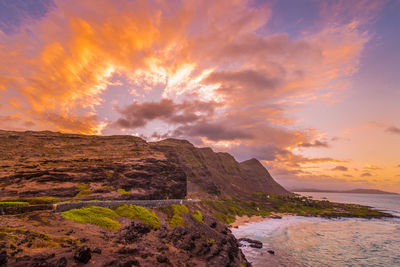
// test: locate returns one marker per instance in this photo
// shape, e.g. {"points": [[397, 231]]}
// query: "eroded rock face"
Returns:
{"points": [[35, 164], [3, 258], [218, 173]]}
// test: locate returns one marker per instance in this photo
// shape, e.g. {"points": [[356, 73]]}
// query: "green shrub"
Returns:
{"points": [[82, 186], [108, 188], [137, 212], [123, 191], [198, 216], [13, 204], [99, 216], [174, 214], [179, 209], [86, 192]]}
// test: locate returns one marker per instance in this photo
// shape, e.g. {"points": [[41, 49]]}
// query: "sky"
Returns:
{"points": [[310, 88]]}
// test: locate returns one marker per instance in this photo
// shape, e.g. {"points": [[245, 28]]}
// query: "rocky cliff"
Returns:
{"points": [[218, 174], [83, 166], [122, 167]]}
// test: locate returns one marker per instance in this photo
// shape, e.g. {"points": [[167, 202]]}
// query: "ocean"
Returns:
{"points": [[309, 241]]}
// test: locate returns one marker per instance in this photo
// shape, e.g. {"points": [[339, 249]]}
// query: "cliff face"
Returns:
{"points": [[122, 167], [81, 166], [218, 173]]}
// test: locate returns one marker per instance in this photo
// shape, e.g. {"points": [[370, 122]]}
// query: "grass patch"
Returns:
{"points": [[82, 186], [198, 216], [123, 191], [13, 236], [108, 188], [137, 212], [86, 192], [174, 213], [99, 216], [13, 204], [262, 204], [109, 174]]}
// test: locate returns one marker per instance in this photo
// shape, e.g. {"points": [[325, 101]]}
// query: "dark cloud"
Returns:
{"points": [[316, 143], [393, 130], [340, 168], [212, 131], [249, 79], [139, 114], [366, 174]]}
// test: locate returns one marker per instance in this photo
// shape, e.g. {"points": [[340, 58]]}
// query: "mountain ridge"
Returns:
{"points": [[48, 163]]}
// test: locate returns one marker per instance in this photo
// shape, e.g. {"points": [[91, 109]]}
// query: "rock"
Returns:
{"points": [[130, 263], [213, 224], [270, 251], [275, 217], [3, 258], [62, 262], [129, 250], [253, 243], [83, 254], [97, 251], [134, 232], [162, 259]]}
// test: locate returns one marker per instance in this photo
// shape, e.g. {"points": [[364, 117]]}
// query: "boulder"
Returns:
{"points": [[83, 254], [253, 243]]}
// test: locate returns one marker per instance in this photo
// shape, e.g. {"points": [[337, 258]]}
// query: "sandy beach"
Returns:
{"points": [[242, 220]]}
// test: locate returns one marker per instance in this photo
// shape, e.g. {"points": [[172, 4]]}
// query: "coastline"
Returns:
{"points": [[332, 235], [243, 220]]}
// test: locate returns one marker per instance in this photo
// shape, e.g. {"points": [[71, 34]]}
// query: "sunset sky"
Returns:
{"points": [[310, 88]]}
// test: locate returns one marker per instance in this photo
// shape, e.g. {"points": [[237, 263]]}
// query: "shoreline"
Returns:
{"points": [[243, 220]]}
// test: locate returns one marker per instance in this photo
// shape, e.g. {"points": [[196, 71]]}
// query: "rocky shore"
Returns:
{"points": [[46, 239]]}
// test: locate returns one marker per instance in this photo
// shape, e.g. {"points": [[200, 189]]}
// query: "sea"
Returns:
{"points": [[311, 241]]}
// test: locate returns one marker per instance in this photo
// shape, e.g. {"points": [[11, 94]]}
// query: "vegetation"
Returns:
{"points": [[99, 216], [13, 204], [109, 174], [12, 236], [198, 216], [82, 186], [123, 191], [108, 188], [174, 213], [86, 192], [138, 212], [34, 200], [262, 204]]}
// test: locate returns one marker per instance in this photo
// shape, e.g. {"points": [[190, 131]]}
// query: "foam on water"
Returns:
{"points": [[305, 241]]}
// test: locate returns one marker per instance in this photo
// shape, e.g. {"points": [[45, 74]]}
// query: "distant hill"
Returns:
{"points": [[354, 191]]}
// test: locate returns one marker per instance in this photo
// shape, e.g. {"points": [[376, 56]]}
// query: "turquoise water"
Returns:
{"points": [[304, 241]]}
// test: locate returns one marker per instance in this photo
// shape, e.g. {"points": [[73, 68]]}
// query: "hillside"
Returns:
{"points": [[122, 167], [218, 174]]}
